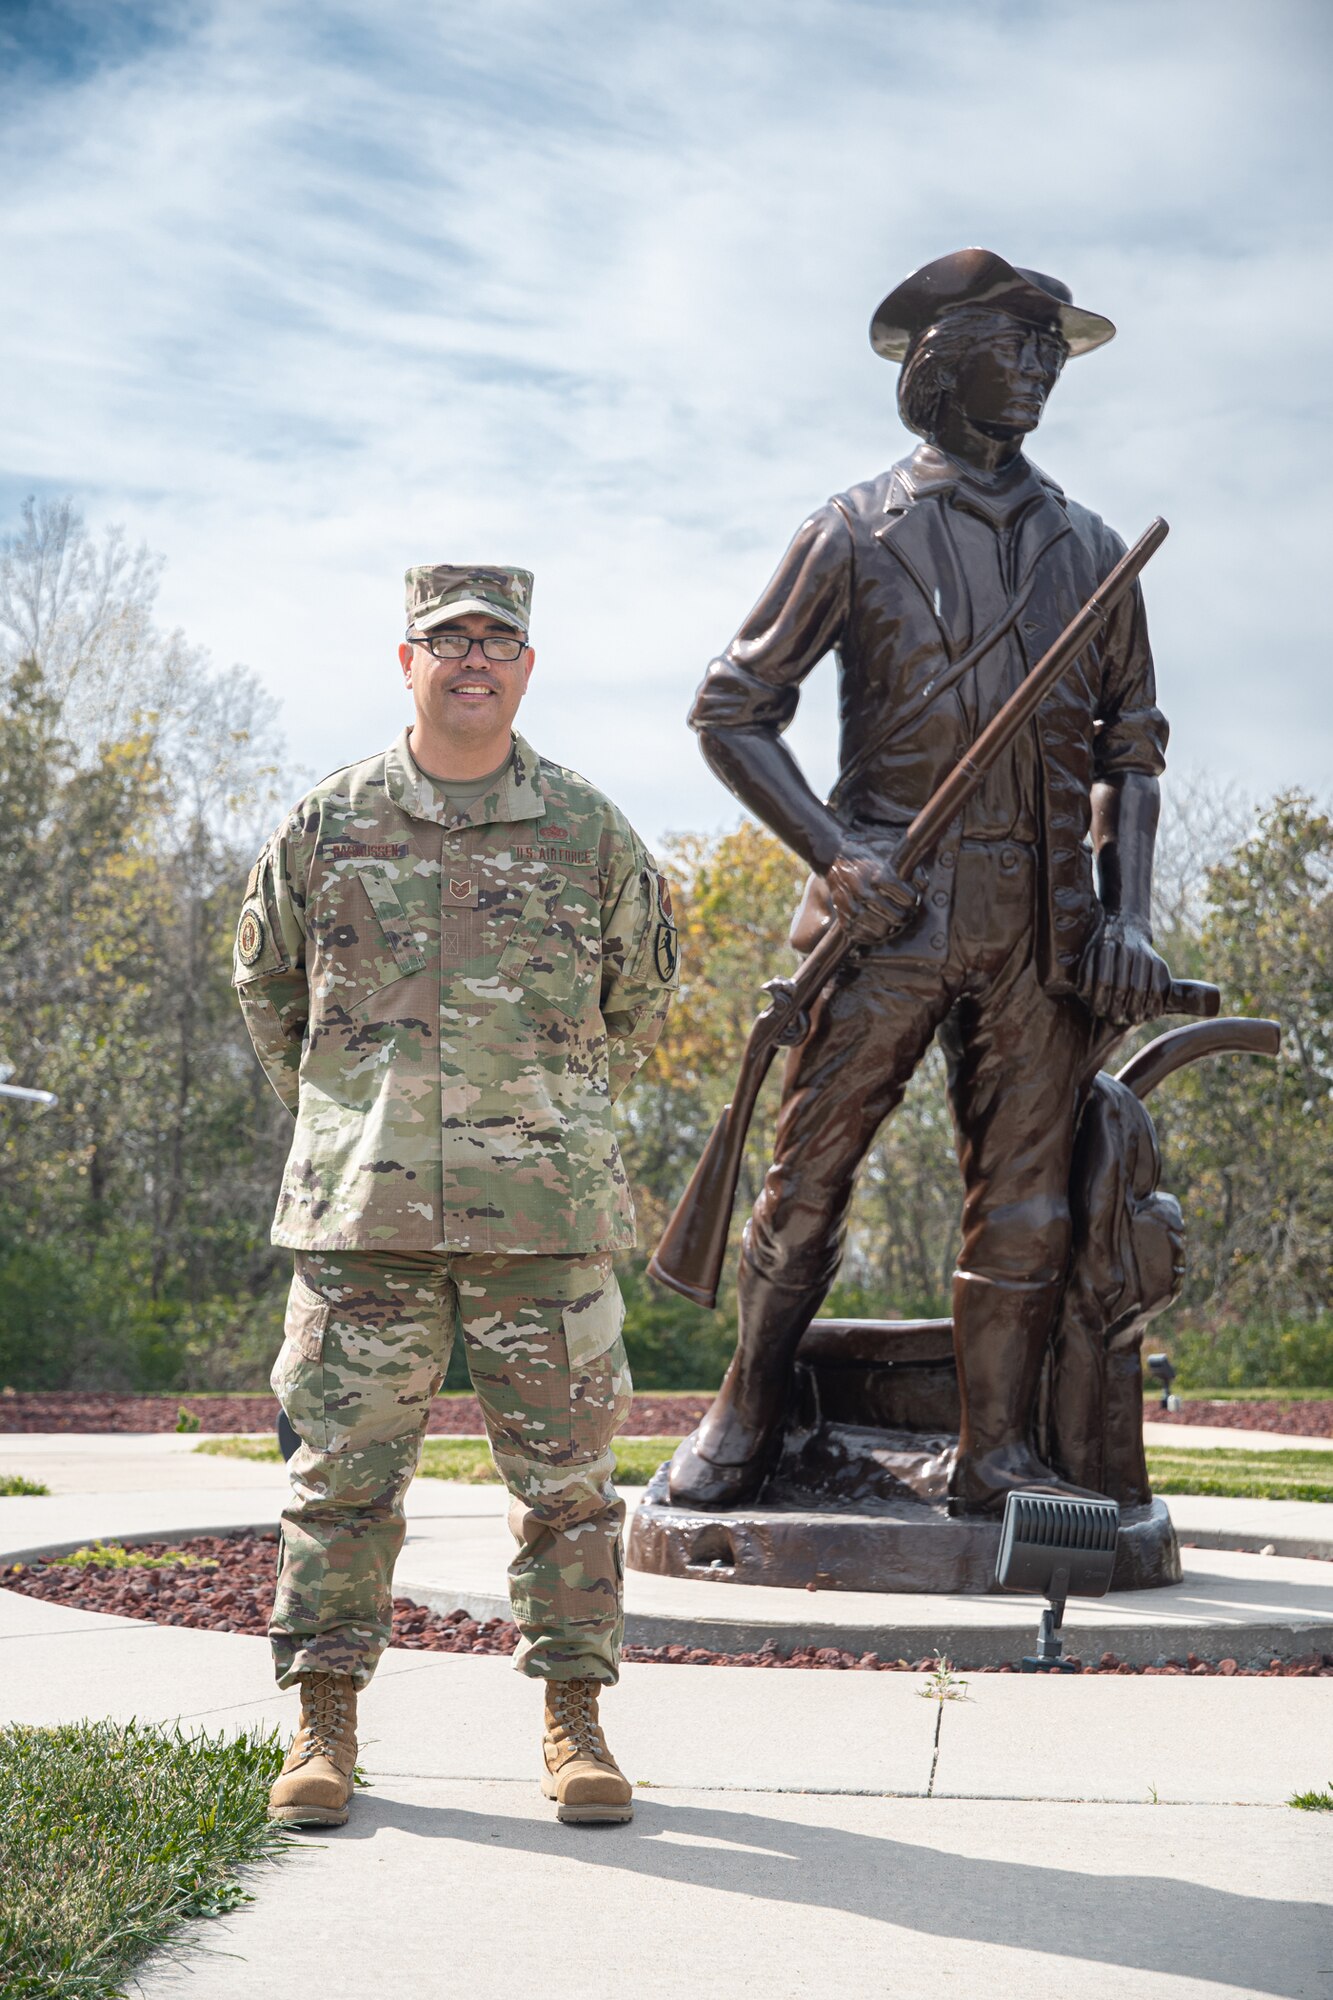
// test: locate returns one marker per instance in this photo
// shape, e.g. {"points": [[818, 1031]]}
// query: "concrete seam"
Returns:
{"points": [[867, 1792]]}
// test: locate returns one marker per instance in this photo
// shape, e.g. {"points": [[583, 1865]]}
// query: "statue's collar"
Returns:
{"points": [[998, 497]]}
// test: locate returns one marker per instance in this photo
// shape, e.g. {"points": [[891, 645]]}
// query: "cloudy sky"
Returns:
{"points": [[301, 294]]}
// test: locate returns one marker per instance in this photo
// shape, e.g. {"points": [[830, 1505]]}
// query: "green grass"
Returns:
{"points": [[111, 1555], [1243, 1475], [1234, 1475], [1313, 1801], [468, 1460], [263, 1448], [112, 1836], [13, 1483]]}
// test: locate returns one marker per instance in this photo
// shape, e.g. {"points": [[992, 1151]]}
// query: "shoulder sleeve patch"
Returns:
{"points": [[250, 936], [666, 944]]}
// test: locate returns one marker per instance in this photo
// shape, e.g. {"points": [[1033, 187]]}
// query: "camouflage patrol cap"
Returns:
{"points": [[437, 592]]}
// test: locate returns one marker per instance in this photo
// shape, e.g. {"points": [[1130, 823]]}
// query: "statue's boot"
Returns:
{"points": [[1000, 1337], [726, 1460]]}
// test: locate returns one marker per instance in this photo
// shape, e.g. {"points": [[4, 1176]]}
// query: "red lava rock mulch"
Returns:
{"points": [[1312, 1419], [660, 1415], [235, 1596]]}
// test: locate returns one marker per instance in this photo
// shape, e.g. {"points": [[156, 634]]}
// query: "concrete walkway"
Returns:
{"points": [[1100, 1837], [1214, 1437], [441, 1889], [1251, 1606], [796, 1833]]}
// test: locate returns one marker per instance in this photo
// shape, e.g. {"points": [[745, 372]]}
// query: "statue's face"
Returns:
{"points": [[1002, 381]]}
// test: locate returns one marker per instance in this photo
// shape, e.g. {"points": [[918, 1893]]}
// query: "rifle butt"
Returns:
{"points": [[693, 1249]]}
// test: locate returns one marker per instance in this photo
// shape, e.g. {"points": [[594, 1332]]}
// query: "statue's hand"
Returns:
{"points": [[1124, 980], [870, 900]]}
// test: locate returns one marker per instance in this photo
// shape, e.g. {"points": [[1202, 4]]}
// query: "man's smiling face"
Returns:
{"points": [[470, 700]]}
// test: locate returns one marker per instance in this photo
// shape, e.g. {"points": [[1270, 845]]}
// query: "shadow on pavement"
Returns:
{"points": [[1254, 1943]]}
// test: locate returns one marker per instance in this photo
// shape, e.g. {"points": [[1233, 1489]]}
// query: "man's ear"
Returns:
{"points": [[405, 659], [527, 671]]}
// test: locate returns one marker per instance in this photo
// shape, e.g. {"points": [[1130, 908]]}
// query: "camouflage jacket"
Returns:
{"points": [[450, 1005]]}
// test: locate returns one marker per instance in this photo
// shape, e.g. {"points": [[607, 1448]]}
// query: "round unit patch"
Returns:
{"points": [[250, 937]]}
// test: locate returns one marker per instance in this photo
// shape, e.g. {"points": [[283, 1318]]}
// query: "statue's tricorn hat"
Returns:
{"points": [[980, 278]]}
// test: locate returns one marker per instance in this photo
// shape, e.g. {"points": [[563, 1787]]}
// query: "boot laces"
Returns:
{"points": [[323, 1715], [574, 1709]]}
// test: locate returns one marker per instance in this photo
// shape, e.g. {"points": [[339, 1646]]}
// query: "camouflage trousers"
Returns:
{"points": [[367, 1342]]}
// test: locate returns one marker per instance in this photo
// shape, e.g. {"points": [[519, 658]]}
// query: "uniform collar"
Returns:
{"points": [[998, 498], [516, 795]]}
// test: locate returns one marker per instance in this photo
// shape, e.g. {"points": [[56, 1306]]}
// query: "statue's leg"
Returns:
{"points": [[868, 1033], [1016, 1056]]}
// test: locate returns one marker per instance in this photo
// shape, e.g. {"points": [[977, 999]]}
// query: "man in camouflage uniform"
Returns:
{"points": [[452, 957]]}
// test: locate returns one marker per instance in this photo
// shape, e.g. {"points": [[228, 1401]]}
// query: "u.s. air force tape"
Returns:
{"points": [[249, 936]]}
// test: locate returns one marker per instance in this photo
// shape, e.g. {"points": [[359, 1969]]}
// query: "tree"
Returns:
{"points": [[1249, 1144], [137, 782]]}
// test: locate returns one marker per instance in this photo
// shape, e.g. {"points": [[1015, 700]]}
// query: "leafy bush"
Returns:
{"points": [[80, 1312], [671, 1343], [13, 1485], [1252, 1354]]}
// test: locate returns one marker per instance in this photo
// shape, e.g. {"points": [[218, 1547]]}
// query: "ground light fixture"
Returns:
{"points": [[1056, 1549], [1162, 1370]]}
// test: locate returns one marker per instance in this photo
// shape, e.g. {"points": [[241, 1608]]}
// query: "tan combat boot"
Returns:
{"points": [[581, 1775], [315, 1783]]}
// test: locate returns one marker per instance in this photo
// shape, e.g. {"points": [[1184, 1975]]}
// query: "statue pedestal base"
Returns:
{"points": [[854, 1508], [905, 1546], [856, 1500]]}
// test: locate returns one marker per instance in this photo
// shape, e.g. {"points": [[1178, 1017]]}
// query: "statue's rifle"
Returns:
{"points": [[693, 1248]]}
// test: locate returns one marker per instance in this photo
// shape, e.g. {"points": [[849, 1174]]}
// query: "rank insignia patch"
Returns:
{"points": [[250, 937]]}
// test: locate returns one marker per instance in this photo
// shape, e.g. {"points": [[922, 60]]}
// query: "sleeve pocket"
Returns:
{"points": [[592, 1326]]}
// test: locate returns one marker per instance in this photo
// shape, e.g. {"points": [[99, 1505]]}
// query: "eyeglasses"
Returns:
{"points": [[457, 646]]}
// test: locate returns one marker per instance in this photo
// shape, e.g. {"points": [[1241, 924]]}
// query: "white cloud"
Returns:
{"points": [[310, 294]]}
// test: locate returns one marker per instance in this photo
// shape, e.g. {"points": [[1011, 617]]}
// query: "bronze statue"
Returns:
{"points": [[1026, 951]]}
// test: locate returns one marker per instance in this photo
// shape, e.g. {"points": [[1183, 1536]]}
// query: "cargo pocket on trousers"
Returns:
{"points": [[599, 1380], [298, 1373]]}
